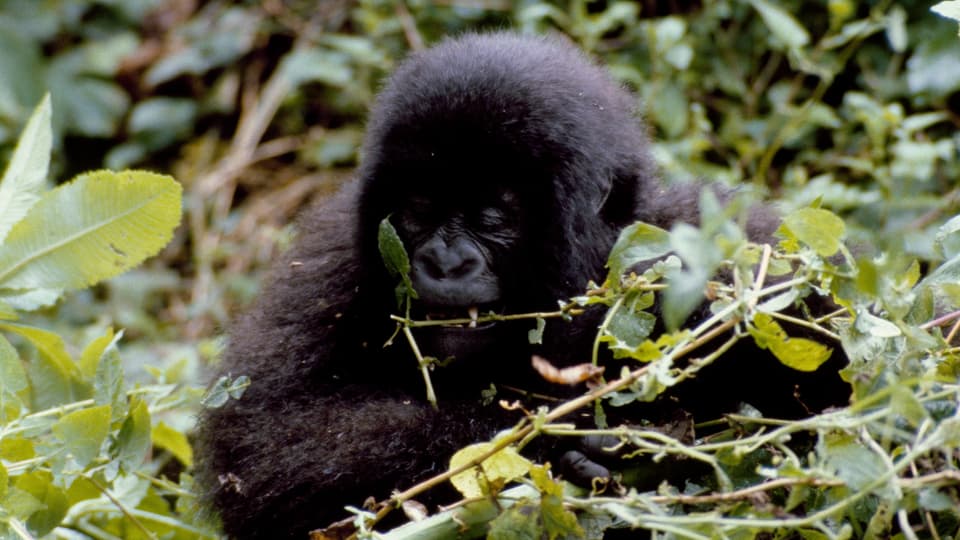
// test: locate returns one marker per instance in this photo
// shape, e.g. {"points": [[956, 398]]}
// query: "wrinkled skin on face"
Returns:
{"points": [[465, 260]]}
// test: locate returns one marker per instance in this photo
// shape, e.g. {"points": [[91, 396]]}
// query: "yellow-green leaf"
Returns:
{"points": [[820, 229], [83, 432], [174, 442], [90, 356], [24, 178], [800, 354], [96, 226], [501, 467], [54, 377]]}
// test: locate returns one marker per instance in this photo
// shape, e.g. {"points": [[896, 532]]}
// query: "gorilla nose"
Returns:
{"points": [[457, 261]]}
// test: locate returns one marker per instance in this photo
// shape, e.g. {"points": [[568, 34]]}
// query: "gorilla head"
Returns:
{"points": [[508, 165]]}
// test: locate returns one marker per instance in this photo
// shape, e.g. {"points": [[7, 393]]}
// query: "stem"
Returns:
{"points": [[424, 366]]}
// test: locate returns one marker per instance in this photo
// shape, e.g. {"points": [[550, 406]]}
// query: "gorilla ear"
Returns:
{"points": [[600, 195], [616, 200]]}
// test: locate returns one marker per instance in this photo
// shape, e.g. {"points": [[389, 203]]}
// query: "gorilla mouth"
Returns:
{"points": [[461, 317]]}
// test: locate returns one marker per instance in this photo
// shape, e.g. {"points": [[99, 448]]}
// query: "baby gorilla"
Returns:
{"points": [[508, 165]]}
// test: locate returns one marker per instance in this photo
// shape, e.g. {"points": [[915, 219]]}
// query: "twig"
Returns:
{"points": [[120, 506]]}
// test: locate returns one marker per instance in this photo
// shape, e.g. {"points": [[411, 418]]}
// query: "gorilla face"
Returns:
{"points": [[460, 254], [465, 254]]}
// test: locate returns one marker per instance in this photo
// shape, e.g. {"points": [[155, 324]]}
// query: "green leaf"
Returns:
{"points": [[83, 432], [13, 379], [224, 389], [502, 467], [852, 461], [54, 505], [783, 25], [516, 523], [54, 377], [90, 357], [26, 173], [31, 299], [108, 380], [396, 260], [800, 354], [682, 297], [317, 65], [558, 520], [820, 229], [628, 330], [174, 442], [133, 441], [637, 243], [12, 376], [96, 226], [896, 26], [948, 8]]}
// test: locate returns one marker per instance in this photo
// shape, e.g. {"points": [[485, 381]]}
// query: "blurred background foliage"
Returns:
{"points": [[258, 107]]}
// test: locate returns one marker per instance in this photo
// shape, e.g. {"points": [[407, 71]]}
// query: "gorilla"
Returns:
{"points": [[508, 165]]}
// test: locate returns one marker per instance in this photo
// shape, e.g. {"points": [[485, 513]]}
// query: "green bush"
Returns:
{"points": [[75, 435]]}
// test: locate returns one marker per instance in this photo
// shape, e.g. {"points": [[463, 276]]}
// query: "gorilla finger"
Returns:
{"points": [[579, 469]]}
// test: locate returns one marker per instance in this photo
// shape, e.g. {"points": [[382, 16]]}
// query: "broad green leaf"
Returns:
{"points": [[820, 229], [133, 440], [637, 243], [96, 226], [26, 173], [174, 442], [4, 478], [800, 354], [83, 432], [502, 467], [783, 25]]}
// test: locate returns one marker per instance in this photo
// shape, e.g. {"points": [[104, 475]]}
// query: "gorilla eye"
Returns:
{"points": [[492, 217]]}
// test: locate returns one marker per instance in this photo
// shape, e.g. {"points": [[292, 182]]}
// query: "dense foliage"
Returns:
{"points": [[844, 113]]}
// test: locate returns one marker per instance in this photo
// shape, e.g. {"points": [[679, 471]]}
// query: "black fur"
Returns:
{"points": [[332, 417]]}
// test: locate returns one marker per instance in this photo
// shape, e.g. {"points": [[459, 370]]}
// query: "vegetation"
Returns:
{"points": [[846, 117]]}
